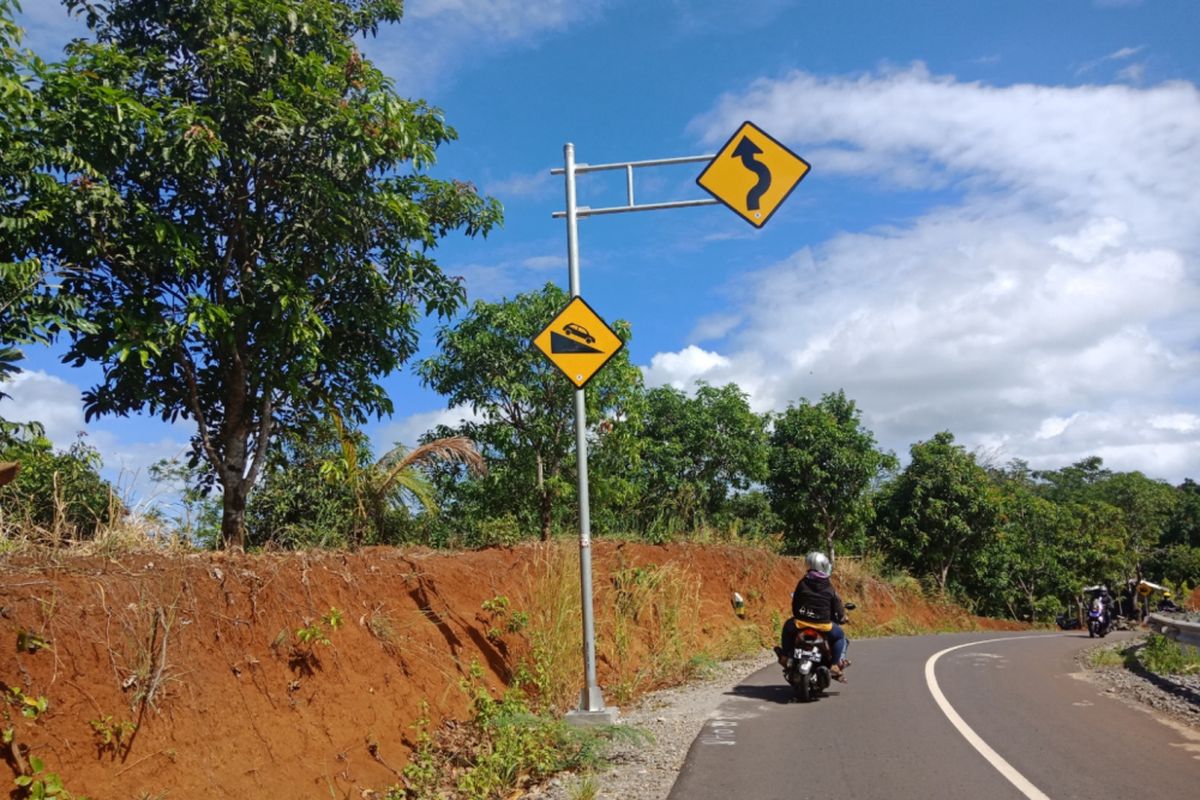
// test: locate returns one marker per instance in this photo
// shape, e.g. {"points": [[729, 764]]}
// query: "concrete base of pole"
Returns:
{"points": [[589, 719], [592, 710]]}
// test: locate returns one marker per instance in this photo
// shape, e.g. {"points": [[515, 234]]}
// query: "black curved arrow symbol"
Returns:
{"points": [[746, 151]]}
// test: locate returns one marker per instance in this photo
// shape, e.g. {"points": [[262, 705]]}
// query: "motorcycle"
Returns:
{"points": [[1098, 619], [808, 668]]}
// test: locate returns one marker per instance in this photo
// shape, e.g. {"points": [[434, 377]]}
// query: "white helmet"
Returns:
{"points": [[818, 561]]}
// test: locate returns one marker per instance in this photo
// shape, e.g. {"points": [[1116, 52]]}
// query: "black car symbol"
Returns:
{"points": [[579, 332]]}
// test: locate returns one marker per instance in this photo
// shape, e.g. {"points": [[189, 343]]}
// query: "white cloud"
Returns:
{"points": [[58, 405], [689, 364], [1134, 73], [408, 430], [436, 38], [546, 263], [1054, 426], [1112, 150], [1124, 52], [522, 185], [714, 326], [37, 396], [1183, 422], [1048, 315]]}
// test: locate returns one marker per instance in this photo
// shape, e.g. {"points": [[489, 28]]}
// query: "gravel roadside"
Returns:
{"points": [[1174, 696], [646, 770]]}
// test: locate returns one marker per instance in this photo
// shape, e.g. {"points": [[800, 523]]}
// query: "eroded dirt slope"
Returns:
{"points": [[206, 653]]}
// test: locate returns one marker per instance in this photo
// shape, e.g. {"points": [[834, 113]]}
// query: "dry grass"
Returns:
{"points": [[650, 636], [127, 533], [555, 636]]}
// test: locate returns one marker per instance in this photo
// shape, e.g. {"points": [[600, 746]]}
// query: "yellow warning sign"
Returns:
{"points": [[578, 342], [753, 174]]}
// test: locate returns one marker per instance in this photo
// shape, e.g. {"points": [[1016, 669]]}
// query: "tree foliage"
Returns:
{"points": [[939, 511], [696, 453], [1025, 567], [257, 243], [525, 407], [31, 311], [823, 461]]}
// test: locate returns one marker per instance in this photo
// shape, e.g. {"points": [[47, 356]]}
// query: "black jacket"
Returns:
{"points": [[815, 600]]}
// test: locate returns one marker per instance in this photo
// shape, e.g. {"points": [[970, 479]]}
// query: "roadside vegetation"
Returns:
{"points": [[1154, 653]]}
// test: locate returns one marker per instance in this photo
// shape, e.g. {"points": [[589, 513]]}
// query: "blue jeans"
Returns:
{"points": [[838, 642]]}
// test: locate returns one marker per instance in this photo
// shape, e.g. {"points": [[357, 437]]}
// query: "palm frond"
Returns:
{"points": [[451, 449]]}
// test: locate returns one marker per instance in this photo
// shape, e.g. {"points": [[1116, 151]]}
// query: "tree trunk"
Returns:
{"points": [[545, 506], [233, 515], [943, 574], [235, 487]]}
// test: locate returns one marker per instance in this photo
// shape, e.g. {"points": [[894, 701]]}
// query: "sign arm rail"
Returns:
{"points": [[629, 167], [584, 211]]}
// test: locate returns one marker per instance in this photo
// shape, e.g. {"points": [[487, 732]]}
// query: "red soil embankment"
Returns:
{"points": [[202, 652]]}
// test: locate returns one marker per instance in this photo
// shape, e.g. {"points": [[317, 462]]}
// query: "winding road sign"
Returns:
{"points": [[578, 342], [753, 174]]}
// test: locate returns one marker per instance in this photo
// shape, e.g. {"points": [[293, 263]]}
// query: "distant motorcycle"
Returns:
{"points": [[808, 666], [1099, 620]]}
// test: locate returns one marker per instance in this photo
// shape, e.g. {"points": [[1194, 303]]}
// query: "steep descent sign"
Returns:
{"points": [[753, 174], [578, 342]]}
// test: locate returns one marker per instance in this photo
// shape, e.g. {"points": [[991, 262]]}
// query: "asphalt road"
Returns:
{"points": [[1048, 731]]}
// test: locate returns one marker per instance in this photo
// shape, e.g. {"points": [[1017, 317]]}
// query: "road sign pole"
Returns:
{"points": [[776, 171], [591, 701]]}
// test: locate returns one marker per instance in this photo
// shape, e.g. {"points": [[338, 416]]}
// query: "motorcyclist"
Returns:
{"points": [[1102, 603], [1167, 604], [815, 604]]}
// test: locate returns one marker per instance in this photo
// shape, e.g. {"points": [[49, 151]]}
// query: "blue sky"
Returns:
{"points": [[998, 236]]}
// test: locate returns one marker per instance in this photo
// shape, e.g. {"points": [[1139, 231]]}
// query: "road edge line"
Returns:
{"points": [[1010, 773]]}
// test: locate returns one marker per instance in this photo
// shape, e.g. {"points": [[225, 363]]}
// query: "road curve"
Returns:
{"points": [[885, 735]]}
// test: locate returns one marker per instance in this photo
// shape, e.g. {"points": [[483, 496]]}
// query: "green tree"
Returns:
{"points": [[698, 452], [526, 407], [1025, 569], [1076, 481], [31, 311], [1184, 526], [823, 461], [268, 251], [1147, 507], [939, 511]]}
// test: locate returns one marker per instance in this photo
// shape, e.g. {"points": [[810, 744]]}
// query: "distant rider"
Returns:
{"points": [[815, 604], [1167, 604]]}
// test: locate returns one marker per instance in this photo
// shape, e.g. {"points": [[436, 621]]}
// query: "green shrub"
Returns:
{"points": [[294, 506], [58, 493], [1163, 656], [509, 747]]}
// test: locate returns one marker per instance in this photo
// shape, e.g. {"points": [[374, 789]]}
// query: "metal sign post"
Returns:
{"points": [[591, 702]]}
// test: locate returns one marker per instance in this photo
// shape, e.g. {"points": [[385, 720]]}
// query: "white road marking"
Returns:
{"points": [[1023, 785], [720, 731]]}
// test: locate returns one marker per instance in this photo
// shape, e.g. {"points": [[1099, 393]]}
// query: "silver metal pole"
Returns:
{"points": [[590, 699]]}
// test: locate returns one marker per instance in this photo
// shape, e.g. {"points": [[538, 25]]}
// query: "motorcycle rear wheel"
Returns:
{"points": [[802, 690]]}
